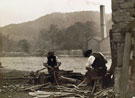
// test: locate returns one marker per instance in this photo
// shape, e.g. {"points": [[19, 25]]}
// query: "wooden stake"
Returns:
{"points": [[125, 67]]}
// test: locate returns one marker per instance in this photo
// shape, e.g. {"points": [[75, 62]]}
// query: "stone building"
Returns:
{"points": [[105, 45], [96, 44], [93, 43], [122, 38], [102, 43]]}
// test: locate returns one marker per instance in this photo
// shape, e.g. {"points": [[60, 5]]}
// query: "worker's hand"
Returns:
{"points": [[45, 64], [56, 66], [58, 63], [49, 67], [87, 68], [37, 71]]}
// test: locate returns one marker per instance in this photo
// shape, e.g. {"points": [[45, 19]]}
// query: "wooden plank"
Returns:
{"points": [[36, 87], [68, 80], [15, 78], [125, 67]]}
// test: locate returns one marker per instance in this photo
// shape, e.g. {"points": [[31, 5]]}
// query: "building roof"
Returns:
{"points": [[94, 38], [104, 38]]}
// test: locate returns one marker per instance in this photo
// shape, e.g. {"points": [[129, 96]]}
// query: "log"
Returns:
{"points": [[105, 93], [36, 93], [58, 96], [93, 89], [82, 82], [44, 94], [73, 90], [35, 87], [71, 74], [67, 80], [15, 78], [64, 92]]}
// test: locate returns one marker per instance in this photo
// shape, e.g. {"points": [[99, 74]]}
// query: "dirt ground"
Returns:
{"points": [[20, 66], [11, 88]]}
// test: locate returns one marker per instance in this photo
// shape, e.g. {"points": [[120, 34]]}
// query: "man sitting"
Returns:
{"points": [[95, 66], [52, 65]]}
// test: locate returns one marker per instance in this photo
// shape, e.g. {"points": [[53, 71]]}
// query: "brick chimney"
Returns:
{"points": [[102, 22]]}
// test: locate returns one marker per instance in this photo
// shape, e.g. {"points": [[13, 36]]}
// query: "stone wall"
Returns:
{"points": [[123, 16]]}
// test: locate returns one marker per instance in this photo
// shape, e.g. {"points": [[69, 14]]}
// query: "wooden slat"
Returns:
{"points": [[125, 67]]}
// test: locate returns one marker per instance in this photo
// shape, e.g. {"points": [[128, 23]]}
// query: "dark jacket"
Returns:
{"points": [[99, 61], [99, 64], [51, 61]]}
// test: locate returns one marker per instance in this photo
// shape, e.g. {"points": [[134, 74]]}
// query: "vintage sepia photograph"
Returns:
{"points": [[67, 48]]}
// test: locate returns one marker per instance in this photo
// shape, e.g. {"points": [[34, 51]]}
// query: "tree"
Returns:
{"points": [[1, 44], [52, 35], [73, 37], [77, 35], [23, 45]]}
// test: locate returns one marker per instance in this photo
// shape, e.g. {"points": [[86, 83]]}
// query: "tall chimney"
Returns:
{"points": [[102, 22]]}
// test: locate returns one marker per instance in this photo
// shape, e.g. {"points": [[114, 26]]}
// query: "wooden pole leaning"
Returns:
{"points": [[125, 67]]}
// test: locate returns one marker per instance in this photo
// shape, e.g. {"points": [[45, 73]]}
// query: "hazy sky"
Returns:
{"points": [[17, 11]]}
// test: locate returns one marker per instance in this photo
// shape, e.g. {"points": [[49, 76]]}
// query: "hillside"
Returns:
{"points": [[30, 30]]}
